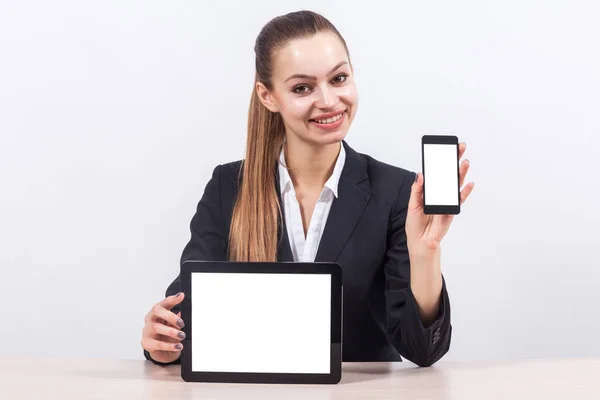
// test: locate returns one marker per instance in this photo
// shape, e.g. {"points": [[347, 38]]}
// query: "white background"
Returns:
{"points": [[114, 113]]}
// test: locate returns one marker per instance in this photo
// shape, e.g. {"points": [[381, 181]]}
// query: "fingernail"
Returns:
{"points": [[416, 177], [178, 294], [178, 346], [180, 323], [181, 335]]}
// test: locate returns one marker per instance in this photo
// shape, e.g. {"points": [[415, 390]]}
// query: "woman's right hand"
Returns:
{"points": [[161, 336]]}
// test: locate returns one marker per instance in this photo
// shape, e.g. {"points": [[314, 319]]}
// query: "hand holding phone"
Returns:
{"points": [[441, 176]]}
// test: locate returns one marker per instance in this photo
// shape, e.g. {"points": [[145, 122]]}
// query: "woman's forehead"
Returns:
{"points": [[314, 56]]}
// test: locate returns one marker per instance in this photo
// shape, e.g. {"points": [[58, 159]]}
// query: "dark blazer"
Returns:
{"points": [[365, 234]]}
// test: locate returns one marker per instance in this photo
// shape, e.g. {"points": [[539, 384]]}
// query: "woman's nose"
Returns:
{"points": [[326, 96]]}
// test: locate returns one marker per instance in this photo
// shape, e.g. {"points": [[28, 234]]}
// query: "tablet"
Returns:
{"points": [[278, 322]]}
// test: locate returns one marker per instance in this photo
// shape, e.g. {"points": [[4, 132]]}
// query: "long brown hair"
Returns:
{"points": [[256, 215]]}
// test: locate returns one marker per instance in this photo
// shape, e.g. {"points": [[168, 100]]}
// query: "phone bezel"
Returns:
{"points": [[440, 209]]}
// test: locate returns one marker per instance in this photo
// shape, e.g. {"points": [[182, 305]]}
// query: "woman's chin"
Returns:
{"points": [[320, 138], [329, 137]]}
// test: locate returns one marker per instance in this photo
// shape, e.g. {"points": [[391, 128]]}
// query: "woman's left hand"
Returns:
{"points": [[427, 231]]}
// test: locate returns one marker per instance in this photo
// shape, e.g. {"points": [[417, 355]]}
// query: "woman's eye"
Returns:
{"points": [[336, 79], [296, 89]]}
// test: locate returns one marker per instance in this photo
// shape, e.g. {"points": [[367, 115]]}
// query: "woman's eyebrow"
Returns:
{"points": [[314, 78]]}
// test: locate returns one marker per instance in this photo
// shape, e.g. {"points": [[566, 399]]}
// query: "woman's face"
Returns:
{"points": [[313, 89]]}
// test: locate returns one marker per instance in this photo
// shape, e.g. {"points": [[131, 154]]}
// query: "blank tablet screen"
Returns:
{"points": [[261, 322]]}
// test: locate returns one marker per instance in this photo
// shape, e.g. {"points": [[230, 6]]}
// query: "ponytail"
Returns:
{"points": [[257, 211]]}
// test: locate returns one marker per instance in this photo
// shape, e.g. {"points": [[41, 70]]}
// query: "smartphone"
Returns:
{"points": [[441, 189]]}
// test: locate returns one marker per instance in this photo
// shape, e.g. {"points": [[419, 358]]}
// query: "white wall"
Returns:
{"points": [[113, 114]]}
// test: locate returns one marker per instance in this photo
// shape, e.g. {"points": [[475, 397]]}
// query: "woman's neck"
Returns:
{"points": [[310, 166]]}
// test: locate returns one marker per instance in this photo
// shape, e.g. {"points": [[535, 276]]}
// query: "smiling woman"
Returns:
{"points": [[305, 82], [312, 88], [303, 194]]}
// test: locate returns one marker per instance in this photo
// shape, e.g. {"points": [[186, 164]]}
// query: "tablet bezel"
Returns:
{"points": [[334, 269]]}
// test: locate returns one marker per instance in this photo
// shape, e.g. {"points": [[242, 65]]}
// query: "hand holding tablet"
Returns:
{"points": [[161, 336]]}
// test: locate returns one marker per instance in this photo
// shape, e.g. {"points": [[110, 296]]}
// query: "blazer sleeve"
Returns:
{"points": [[209, 237], [423, 345]]}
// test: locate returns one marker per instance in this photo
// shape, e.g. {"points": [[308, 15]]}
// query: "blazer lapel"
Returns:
{"points": [[354, 193], [284, 251]]}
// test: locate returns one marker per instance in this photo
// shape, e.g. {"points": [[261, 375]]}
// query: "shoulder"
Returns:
{"points": [[386, 178], [221, 189], [225, 179], [229, 173]]}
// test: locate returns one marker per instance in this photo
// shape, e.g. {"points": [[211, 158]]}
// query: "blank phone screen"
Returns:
{"points": [[261, 323], [441, 176]]}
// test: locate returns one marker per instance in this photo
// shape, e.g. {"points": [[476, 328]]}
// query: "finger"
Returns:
{"points": [[462, 147], [464, 168], [152, 344], [161, 313], [167, 303], [156, 328], [464, 194], [171, 301], [416, 193]]}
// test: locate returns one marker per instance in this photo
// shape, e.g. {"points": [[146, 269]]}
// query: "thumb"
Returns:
{"points": [[416, 193], [171, 301]]}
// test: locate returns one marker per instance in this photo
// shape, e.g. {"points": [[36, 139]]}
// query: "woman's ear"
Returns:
{"points": [[266, 97]]}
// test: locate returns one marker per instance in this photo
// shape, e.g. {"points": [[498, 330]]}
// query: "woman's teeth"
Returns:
{"points": [[329, 120]]}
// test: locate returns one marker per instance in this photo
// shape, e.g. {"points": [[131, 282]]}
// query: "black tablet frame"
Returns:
{"points": [[333, 269]]}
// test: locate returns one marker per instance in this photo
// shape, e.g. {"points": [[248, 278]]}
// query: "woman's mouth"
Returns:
{"points": [[331, 123]]}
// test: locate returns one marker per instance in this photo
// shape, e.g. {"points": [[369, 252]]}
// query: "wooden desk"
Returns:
{"points": [[82, 379]]}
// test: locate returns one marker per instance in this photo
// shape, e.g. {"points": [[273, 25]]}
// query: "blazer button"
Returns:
{"points": [[436, 336]]}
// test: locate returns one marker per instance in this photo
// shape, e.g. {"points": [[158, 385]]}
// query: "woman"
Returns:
{"points": [[303, 194]]}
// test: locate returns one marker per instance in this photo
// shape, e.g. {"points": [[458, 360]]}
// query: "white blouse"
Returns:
{"points": [[305, 249]]}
